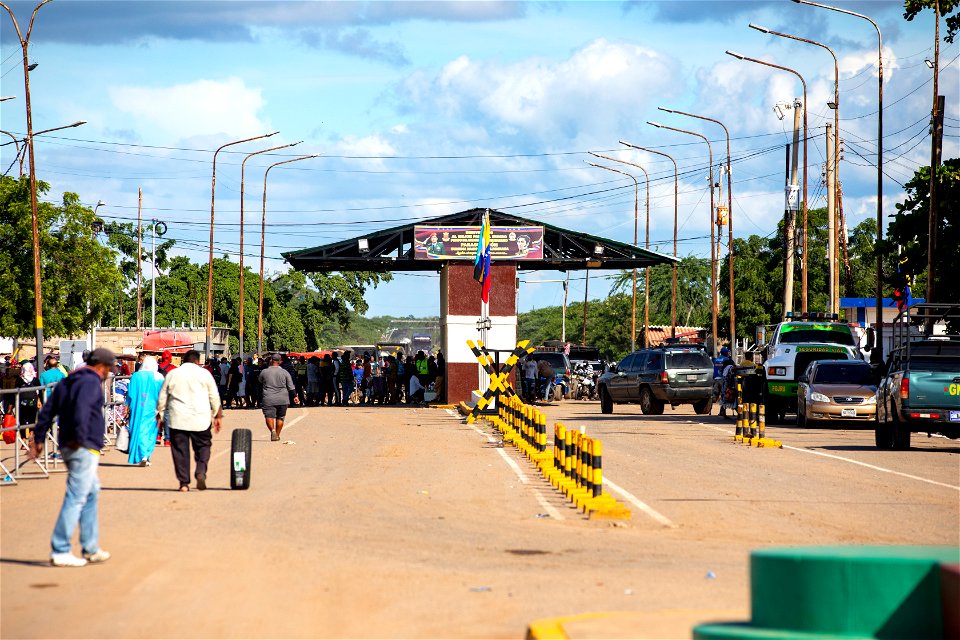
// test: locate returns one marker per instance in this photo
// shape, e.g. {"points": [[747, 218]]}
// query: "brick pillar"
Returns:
{"points": [[459, 312]]}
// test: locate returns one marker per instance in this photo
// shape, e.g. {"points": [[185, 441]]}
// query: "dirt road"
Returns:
{"points": [[383, 522]]}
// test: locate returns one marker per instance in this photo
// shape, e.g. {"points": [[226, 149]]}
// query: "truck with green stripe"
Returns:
{"points": [[792, 347]]}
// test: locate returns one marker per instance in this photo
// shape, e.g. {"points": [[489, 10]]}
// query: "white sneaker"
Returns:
{"points": [[66, 560], [99, 556]]}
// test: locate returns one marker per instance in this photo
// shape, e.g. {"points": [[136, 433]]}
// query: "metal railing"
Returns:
{"points": [[17, 465]]}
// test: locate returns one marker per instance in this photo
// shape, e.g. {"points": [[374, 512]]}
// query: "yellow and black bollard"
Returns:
{"points": [[752, 426]]}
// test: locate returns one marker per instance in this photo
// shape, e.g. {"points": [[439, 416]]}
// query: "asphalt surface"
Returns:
{"points": [[396, 522]]}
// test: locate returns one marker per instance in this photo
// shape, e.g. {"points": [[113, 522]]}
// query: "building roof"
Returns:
{"points": [[392, 249]]}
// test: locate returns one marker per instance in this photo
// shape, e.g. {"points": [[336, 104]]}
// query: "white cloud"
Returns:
{"points": [[593, 94], [199, 108]]}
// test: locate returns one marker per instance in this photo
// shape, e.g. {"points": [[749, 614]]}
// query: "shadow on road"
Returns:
{"points": [[851, 447], [173, 490], [638, 416], [27, 563]]}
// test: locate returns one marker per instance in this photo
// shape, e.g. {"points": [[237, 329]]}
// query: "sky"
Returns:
{"points": [[420, 109]]}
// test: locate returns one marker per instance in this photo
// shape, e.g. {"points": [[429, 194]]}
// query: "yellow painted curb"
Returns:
{"points": [[552, 628]]}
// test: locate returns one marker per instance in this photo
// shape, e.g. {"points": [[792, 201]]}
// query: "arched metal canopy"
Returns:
{"points": [[392, 249]]}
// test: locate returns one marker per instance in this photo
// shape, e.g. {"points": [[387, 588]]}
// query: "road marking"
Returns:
{"points": [[639, 504], [549, 508], [857, 462], [874, 467]]}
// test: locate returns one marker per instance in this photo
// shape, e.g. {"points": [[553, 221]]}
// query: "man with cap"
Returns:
{"points": [[190, 398], [78, 402]]}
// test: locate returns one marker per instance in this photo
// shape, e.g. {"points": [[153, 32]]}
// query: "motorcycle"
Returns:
{"points": [[586, 382]]}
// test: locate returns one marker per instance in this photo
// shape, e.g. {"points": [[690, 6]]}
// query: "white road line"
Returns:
{"points": [[285, 427], [639, 504], [874, 467], [857, 462], [549, 508]]}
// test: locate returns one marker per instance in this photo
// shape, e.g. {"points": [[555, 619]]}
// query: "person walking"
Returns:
{"points": [[166, 366], [345, 379], [190, 397], [277, 385], [142, 396], [78, 403]]}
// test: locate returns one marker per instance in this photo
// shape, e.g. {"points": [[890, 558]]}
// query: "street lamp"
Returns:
{"points": [[243, 166], [806, 247], [213, 194], [263, 233], [636, 214], [156, 226], [876, 356], [713, 253], [646, 292], [833, 166], [676, 194], [37, 294], [16, 143], [733, 330]]}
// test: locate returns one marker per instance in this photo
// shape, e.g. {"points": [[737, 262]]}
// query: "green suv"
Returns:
{"points": [[653, 378]]}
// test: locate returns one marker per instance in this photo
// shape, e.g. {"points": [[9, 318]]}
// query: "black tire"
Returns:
{"points": [[802, 421], [703, 407], [241, 447], [773, 410], [900, 432], [648, 404], [606, 402], [883, 436]]}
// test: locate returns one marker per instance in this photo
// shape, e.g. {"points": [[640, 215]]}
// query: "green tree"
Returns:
{"points": [[907, 233], [79, 276], [913, 7]]}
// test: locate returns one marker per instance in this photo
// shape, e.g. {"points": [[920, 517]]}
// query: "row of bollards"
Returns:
{"points": [[751, 422], [574, 466]]}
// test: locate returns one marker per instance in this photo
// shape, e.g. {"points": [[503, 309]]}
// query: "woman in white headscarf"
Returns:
{"points": [[28, 399], [142, 395]]}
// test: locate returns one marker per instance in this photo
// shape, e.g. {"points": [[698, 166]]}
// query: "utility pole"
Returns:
{"points": [[139, 253], [563, 320], [935, 150], [788, 218], [831, 220], [586, 290], [792, 207]]}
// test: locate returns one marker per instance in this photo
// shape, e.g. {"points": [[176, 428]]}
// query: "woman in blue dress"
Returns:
{"points": [[142, 395]]}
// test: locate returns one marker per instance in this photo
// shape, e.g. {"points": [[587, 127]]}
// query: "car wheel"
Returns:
{"points": [[703, 407], [899, 432], [883, 436], [606, 402], [558, 393], [802, 417], [648, 404]]}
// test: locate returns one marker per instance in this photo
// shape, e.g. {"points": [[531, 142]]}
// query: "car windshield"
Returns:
{"points": [[829, 336], [688, 360], [843, 374]]}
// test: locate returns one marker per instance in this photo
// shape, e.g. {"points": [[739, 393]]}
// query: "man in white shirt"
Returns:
{"points": [[190, 397]]}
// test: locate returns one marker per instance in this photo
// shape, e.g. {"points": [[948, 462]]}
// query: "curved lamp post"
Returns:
{"points": [[646, 287], [37, 294], [733, 329], [834, 229], [243, 166], [713, 241], [806, 247], [263, 233], [877, 355], [636, 214], [676, 193], [213, 194], [16, 143]]}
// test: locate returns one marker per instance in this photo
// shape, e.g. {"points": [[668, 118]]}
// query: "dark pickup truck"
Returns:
{"points": [[920, 390]]}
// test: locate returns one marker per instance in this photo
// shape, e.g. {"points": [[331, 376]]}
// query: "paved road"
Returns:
{"points": [[384, 522]]}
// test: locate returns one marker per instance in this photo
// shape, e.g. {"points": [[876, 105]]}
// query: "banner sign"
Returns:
{"points": [[460, 243]]}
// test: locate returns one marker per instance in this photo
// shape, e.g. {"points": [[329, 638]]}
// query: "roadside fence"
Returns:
{"points": [[15, 462]]}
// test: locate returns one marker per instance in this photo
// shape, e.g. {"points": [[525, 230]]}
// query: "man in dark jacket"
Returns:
{"points": [[78, 402]]}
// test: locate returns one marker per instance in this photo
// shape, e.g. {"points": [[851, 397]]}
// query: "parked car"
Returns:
{"points": [[831, 390], [675, 375], [920, 389]]}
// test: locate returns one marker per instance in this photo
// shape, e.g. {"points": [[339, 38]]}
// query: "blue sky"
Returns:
{"points": [[426, 108]]}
